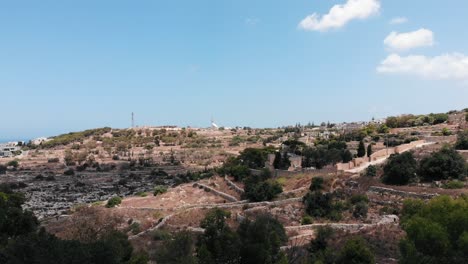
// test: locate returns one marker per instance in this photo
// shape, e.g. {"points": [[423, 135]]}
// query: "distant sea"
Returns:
{"points": [[5, 140]]}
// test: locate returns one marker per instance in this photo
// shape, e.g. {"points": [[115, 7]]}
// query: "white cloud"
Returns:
{"points": [[452, 66], [398, 20], [251, 21], [339, 15], [405, 41]]}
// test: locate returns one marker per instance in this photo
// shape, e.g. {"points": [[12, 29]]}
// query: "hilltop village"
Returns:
{"points": [[310, 193]]}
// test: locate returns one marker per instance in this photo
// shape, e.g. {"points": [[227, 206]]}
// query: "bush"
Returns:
{"points": [[400, 169], [355, 251], [53, 160], [357, 198], [114, 201], [257, 190], [142, 194], [307, 220], [115, 157], [13, 163], [160, 189], [318, 204], [69, 172], [454, 185], [159, 235], [316, 184], [371, 171], [444, 164], [462, 140], [360, 210]]}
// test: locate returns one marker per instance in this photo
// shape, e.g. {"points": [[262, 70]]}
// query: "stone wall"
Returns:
{"points": [[383, 190], [224, 195], [231, 184]]}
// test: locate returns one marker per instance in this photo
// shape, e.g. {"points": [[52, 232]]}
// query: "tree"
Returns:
{"points": [[369, 150], [258, 189], [355, 251], [178, 250], [347, 156], [218, 244], [261, 241], [361, 152], [400, 169], [462, 140], [436, 232], [371, 171], [316, 184], [444, 164]]}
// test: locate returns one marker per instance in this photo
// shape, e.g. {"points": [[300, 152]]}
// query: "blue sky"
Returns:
{"points": [[71, 65]]}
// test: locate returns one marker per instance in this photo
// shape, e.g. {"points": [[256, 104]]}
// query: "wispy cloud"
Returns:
{"points": [[409, 40], [398, 20], [251, 21], [452, 66], [340, 15]]}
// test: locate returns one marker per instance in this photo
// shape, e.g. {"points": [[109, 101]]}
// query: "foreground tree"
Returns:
{"points": [[218, 244], [261, 241], [437, 232]]}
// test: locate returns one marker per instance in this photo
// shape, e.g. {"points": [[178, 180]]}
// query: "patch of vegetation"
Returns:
{"points": [[371, 171], [307, 220], [400, 169], [72, 137], [416, 120], [21, 240], [444, 164], [160, 189], [437, 232], [462, 140], [113, 202], [261, 187], [454, 185]]}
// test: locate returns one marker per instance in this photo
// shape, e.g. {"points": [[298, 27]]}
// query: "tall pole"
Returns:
{"points": [[133, 120]]}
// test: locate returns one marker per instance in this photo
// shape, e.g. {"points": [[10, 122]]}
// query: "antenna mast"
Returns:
{"points": [[133, 120]]}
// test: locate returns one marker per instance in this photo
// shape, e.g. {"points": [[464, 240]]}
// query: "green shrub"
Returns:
{"points": [[113, 202], [13, 163], [357, 198], [316, 184], [454, 185], [360, 210], [159, 235], [142, 194], [355, 251], [400, 169], [444, 164], [160, 189], [371, 171], [307, 220]]}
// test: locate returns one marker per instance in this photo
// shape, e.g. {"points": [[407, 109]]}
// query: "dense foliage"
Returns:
{"points": [[444, 164], [462, 140], [354, 251], [415, 120], [260, 187], [22, 242], [437, 232], [400, 169], [256, 241]]}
